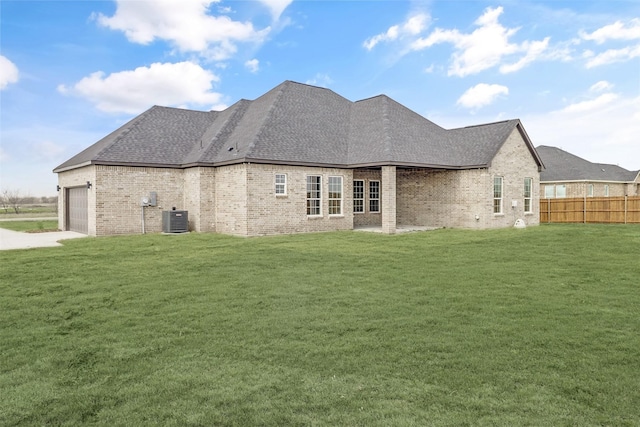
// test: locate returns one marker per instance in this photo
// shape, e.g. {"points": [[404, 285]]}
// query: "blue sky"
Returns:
{"points": [[72, 72]]}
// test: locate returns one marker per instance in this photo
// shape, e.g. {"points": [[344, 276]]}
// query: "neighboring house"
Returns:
{"points": [[300, 159], [566, 175]]}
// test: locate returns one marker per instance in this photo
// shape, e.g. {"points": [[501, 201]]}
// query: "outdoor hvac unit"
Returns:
{"points": [[175, 221]]}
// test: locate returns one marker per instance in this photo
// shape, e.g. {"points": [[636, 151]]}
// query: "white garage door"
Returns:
{"points": [[77, 211]]}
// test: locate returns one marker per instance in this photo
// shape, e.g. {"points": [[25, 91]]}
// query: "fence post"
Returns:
{"points": [[625, 208], [548, 211], [584, 208]]}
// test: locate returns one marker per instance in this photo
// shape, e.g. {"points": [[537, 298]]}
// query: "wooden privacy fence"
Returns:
{"points": [[608, 210]]}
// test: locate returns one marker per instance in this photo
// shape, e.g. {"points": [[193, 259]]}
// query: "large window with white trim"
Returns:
{"points": [[528, 189], [374, 196], [314, 195], [335, 195], [281, 184], [561, 191], [606, 190], [590, 190], [358, 196], [497, 195]]}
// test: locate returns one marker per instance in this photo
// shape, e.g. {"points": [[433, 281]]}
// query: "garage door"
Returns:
{"points": [[77, 212]]}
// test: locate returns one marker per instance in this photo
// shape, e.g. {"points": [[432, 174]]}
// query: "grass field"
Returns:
{"points": [[32, 211], [30, 226], [537, 327]]}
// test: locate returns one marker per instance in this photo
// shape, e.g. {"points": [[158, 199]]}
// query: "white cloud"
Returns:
{"points": [[611, 56], [601, 86], [322, 80], [616, 31], [533, 52], [592, 104], [48, 149], [183, 83], [253, 65], [185, 24], [603, 131], [481, 95], [485, 47], [413, 26], [276, 7], [8, 72]]}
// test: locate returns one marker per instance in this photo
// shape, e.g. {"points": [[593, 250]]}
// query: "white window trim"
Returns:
{"points": [[374, 198], [363, 196], [530, 198], [564, 187], [606, 190], [341, 199], [276, 184], [501, 198], [306, 183], [590, 190]]}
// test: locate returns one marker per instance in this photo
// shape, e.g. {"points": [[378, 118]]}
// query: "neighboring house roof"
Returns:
{"points": [[300, 124], [563, 166]]}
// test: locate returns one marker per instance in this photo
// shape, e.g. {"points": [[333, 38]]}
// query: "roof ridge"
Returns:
{"points": [[256, 137], [488, 124], [386, 126], [229, 125], [135, 122]]}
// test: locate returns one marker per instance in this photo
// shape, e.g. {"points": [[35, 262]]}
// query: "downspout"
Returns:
{"points": [[143, 219]]}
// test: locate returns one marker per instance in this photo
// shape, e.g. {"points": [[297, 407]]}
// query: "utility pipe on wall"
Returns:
{"points": [[143, 219]]}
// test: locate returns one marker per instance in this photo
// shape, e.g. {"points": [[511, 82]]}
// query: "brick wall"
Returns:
{"points": [[120, 190], [199, 198], [443, 198], [231, 200], [268, 213], [456, 198], [514, 162], [241, 200]]}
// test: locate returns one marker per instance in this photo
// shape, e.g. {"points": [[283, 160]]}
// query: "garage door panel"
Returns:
{"points": [[77, 210]]}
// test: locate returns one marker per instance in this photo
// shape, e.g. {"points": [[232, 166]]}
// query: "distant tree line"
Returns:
{"points": [[14, 200]]}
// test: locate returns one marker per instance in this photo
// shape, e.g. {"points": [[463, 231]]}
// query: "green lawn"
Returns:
{"points": [[30, 226], [537, 327]]}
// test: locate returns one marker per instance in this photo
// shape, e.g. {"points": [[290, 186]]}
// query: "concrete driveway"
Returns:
{"points": [[15, 240]]}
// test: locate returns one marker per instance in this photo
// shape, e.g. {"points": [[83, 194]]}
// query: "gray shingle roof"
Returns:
{"points": [[297, 124], [563, 166]]}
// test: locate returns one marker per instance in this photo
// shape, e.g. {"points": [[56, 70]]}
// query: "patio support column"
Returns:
{"points": [[388, 199]]}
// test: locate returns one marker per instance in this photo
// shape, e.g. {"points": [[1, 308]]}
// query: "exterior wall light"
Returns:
{"points": [[88, 184]]}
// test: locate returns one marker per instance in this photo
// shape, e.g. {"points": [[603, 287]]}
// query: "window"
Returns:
{"points": [[528, 186], [549, 191], [335, 195], [497, 195], [561, 191], [374, 196], [358, 196], [606, 191], [281, 184], [314, 192], [590, 191]]}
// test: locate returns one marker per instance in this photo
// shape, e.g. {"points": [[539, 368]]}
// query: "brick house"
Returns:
{"points": [[567, 175], [300, 159]]}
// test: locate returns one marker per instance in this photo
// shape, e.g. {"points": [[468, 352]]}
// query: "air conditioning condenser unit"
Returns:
{"points": [[175, 221]]}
